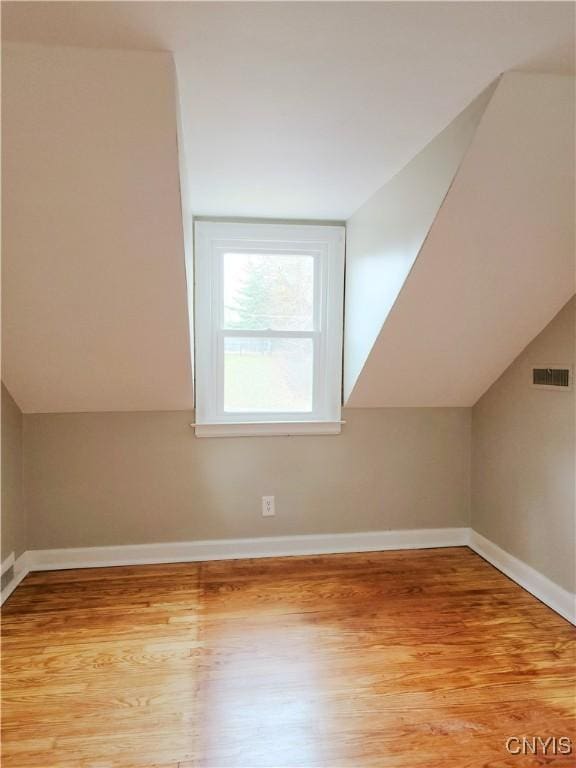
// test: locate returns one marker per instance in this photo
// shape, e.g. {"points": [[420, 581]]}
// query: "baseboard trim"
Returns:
{"points": [[553, 595], [232, 549], [21, 567], [7, 563]]}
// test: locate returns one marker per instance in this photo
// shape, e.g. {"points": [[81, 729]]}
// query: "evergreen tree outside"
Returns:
{"points": [[276, 294]]}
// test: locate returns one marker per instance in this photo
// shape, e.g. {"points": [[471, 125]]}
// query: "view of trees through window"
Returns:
{"points": [[268, 292]]}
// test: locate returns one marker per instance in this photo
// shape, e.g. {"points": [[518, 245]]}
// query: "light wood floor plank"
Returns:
{"points": [[407, 659]]}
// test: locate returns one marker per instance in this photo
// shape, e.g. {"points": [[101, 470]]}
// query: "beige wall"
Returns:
{"points": [[94, 314], [523, 459], [13, 526], [128, 478]]}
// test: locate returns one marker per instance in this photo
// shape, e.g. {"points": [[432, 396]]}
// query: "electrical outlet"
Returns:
{"points": [[268, 508]]}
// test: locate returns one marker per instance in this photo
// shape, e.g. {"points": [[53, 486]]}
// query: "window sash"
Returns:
{"points": [[242, 416], [328, 301], [219, 252], [319, 322], [218, 285], [268, 334]]}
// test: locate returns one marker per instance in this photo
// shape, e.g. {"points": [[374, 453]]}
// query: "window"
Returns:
{"points": [[268, 328]]}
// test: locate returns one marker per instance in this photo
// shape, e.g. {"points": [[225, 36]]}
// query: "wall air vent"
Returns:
{"points": [[552, 377]]}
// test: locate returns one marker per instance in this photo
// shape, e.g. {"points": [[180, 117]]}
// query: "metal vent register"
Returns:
{"points": [[554, 378]]}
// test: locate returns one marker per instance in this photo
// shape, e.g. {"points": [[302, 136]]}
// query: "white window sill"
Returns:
{"points": [[268, 428]]}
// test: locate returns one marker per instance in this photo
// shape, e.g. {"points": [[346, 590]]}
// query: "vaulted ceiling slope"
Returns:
{"points": [[385, 235], [305, 109], [94, 288], [497, 264], [288, 110]]}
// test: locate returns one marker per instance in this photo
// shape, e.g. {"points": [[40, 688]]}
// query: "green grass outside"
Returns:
{"points": [[262, 382]]}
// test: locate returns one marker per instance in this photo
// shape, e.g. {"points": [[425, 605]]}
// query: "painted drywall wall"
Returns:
{"points": [[94, 286], [13, 529], [498, 262], [523, 459], [384, 237], [129, 478]]}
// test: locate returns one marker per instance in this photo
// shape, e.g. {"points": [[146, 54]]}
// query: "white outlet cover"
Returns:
{"points": [[268, 507]]}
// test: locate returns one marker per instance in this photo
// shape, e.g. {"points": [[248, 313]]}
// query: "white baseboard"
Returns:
{"points": [[232, 549], [557, 598], [21, 569], [554, 596], [7, 563]]}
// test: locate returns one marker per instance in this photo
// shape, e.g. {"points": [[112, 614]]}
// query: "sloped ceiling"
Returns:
{"points": [[304, 110], [385, 235], [498, 263], [94, 288], [288, 109]]}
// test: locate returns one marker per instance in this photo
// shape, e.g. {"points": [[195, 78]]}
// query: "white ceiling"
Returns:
{"points": [[303, 110]]}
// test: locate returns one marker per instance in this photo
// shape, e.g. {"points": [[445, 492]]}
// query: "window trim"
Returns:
{"points": [[326, 244]]}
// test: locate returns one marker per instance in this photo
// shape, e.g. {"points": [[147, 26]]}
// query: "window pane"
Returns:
{"points": [[268, 292], [267, 374]]}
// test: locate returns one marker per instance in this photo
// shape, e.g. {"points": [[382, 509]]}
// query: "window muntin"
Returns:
{"points": [[268, 323]]}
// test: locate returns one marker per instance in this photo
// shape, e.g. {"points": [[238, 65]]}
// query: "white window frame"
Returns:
{"points": [[325, 243]]}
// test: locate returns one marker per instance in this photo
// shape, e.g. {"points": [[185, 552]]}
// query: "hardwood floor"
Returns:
{"points": [[427, 658]]}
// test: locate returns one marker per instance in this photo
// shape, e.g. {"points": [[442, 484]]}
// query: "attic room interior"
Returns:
{"points": [[288, 413]]}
